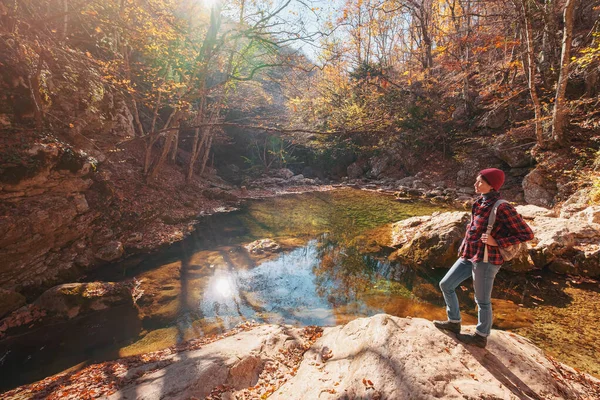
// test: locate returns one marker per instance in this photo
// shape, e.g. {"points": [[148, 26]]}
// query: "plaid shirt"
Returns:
{"points": [[509, 229]]}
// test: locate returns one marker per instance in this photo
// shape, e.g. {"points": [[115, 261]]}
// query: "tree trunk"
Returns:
{"points": [[560, 113], [206, 151], [65, 19], [36, 97], [204, 58], [530, 72], [163, 155]]}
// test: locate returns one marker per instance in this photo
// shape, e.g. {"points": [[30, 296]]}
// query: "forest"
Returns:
{"points": [[138, 137]]}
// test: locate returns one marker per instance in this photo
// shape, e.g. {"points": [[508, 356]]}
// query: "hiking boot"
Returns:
{"points": [[448, 326], [474, 339]]}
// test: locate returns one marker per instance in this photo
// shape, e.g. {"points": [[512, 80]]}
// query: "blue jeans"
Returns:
{"points": [[483, 282]]}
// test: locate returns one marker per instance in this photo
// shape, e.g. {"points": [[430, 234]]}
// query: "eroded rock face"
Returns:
{"points": [[429, 241], [45, 215]]}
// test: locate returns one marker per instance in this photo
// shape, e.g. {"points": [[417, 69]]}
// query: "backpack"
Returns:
{"points": [[509, 252]]}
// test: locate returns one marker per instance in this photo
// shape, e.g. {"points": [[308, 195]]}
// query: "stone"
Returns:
{"points": [[10, 301], [539, 189], [429, 241], [111, 251], [297, 178]]}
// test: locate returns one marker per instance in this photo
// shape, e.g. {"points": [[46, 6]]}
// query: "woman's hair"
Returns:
{"points": [[486, 181]]}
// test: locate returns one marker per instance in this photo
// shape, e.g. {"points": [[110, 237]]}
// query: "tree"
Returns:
{"points": [[559, 118]]}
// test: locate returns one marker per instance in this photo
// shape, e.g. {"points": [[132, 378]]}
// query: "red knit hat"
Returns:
{"points": [[494, 177]]}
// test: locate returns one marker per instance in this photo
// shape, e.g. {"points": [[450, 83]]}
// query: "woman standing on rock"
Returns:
{"points": [[509, 229]]}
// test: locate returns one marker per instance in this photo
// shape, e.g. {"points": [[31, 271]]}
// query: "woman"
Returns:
{"points": [[509, 229]]}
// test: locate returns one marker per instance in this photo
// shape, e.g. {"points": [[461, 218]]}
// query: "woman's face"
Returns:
{"points": [[481, 186]]}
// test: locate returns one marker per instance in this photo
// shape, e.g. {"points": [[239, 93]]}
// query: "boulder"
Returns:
{"points": [[566, 245], [385, 357], [111, 251], [429, 241], [495, 118], [539, 189]]}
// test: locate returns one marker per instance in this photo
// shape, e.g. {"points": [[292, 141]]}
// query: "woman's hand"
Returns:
{"points": [[490, 241]]}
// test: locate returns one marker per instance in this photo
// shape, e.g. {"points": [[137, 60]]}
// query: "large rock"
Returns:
{"points": [[263, 246], [385, 357], [429, 241], [539, 188], [566, 245], [495, 118], [43, 212]]}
